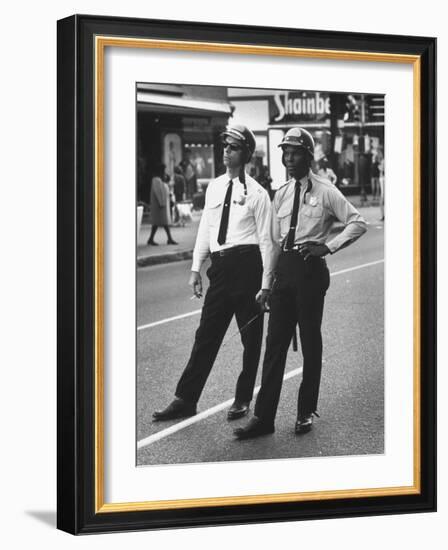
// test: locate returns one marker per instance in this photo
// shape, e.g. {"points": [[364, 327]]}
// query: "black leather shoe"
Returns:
{"points": [[304, 424], [238, 410], [179, 408], [254, 428]]}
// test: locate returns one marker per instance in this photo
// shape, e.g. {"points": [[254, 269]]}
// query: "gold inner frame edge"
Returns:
{"points": [[101, 42]]}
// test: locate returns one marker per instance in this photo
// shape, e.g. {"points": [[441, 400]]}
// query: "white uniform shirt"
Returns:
{"points": [[249, 219]]}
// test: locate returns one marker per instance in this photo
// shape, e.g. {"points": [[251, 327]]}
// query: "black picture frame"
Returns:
{"points": [[79, 493]]}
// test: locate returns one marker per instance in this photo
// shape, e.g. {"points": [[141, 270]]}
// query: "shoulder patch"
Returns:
{"points": [[254, 188]]}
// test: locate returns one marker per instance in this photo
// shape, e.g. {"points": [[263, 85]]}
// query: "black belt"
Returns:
{"points": [[294, 251], [240, 249], [295, 248]]}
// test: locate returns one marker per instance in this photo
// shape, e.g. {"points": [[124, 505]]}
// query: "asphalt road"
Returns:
{"points": [[351, 402]]}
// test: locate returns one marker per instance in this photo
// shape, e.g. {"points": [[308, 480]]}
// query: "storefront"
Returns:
{"points": [[348, 130], [179, 126]]}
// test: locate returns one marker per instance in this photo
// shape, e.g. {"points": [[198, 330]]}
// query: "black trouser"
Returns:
{"points": [[297, 298], [235, 279]]}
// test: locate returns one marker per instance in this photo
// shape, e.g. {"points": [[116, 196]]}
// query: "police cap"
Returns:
{"points": [[299, 137], [244, 136]]}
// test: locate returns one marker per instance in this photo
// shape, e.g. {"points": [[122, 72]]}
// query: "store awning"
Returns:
{"points": [[181, 105]]}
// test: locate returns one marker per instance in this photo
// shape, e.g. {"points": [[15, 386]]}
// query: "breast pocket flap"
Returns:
{"points": [[314, 211], [214, 212], [284, 211], [212, 205]]}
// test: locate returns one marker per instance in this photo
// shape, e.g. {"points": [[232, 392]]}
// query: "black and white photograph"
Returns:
{"points": [[128, 122], [259, 273]]}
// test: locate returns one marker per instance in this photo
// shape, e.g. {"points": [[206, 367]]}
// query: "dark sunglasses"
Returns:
{"points": [[232, 146]]}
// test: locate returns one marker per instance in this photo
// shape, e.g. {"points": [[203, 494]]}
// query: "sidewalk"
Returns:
{"points": [[164, 253], [186, 237]]}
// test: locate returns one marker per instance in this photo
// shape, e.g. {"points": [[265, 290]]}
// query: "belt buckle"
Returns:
{"points": [[222, 252]]}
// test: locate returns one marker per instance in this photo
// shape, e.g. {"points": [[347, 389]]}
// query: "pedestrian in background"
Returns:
{"points": [[382, 181], [326, 172], [179, 194], [179, 185], [234, 229], [189, 173], [303, 212], [159, 210], [375, 177]]}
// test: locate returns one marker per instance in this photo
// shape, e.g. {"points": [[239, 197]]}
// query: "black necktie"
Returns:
{"points": [[290, 238], [225, 215]]}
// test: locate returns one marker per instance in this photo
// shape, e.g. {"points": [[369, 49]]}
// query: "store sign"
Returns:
{"points": [[195, 122], [299, 107]]}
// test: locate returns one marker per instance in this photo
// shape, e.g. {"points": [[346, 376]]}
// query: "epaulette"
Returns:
{"points": [[284, 184]]}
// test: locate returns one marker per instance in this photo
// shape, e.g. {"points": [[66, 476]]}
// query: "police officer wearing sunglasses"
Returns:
{"points": [[303, 213], [235, 231]]}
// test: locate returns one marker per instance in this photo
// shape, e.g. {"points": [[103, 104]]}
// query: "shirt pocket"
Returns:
{"points": [[284, 217], [214, 213], [239, 212], [312, 211]]}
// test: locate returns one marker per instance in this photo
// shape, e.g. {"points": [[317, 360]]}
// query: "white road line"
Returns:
{"points": [[169, 319], [198, 417], [361, 266], [196, 311]]}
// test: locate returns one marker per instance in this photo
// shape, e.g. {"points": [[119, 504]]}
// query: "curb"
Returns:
{"points": [[166, 258]]}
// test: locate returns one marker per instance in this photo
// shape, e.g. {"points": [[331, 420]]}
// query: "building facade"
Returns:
{"points": [[348, 130], [179, 126]]}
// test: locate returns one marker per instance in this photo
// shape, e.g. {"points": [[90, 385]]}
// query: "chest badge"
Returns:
{"points": [[313, 201]]}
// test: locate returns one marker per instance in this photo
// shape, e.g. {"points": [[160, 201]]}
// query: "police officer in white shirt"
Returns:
{"points": [[303, 213], [235, 230]]}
